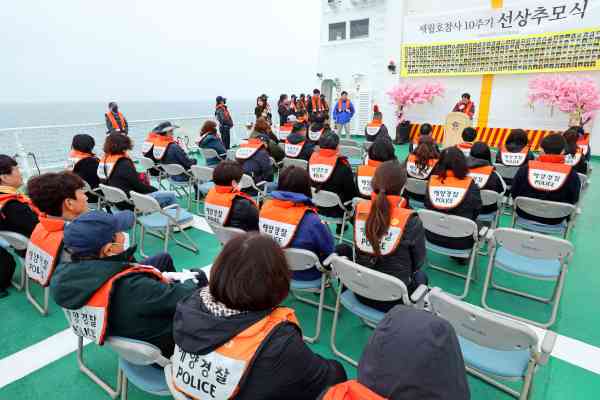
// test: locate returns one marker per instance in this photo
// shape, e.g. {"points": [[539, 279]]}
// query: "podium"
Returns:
{"points": [[456, 122]]}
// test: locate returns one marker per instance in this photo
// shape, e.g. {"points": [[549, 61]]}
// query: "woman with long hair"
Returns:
{"points": [[420, 164], [210, 139], [381, 151], [484, 173], [573, 153], [515, 151]]}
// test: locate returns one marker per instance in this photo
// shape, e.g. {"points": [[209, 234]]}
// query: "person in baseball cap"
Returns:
{"points": [[141, 301]]}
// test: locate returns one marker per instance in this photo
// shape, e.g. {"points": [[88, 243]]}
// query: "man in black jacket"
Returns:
{"points": [[142, 304], [225, 121]]}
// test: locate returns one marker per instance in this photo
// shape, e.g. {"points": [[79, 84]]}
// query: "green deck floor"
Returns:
{"points": [[22, 326]]}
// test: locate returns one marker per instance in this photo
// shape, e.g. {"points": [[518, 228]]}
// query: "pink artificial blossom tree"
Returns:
{"points": [[406, 94], [578, 96]]}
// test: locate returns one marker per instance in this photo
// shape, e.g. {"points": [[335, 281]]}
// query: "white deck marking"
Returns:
{"points": [[41, 354]]}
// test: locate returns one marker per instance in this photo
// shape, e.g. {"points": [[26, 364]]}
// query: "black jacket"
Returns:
{"points": [[18, 217], [494, 183], [470, 208], [271, 141], [284, 366], [243, 215], [383, 131], [569, 193], [514, 149], [307, 150], [341, 182], [408, 258], [141, 306], [414, 355], [284, 113], [259, 166], [87, 169], [314, 127], [126, 178]]}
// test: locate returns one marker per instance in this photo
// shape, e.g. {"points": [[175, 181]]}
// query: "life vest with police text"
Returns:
{"points": [[574, 159], [218, 202], [107, 165], [221, 374], [351, 390], [399, 216], [514, 159], [75, 156], [280, 219], [293, 150], [91, 320], [321, 165], [374, 127], [449, 193], [465, 147], [315, 136], [481, 175], [415, 172], [160, 145], [43, 251], [364, 176], [285, 130], [116, 125], [549, 173], [247, 150]]}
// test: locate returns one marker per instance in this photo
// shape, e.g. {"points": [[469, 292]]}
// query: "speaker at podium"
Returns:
{"points": [[456, 122]]}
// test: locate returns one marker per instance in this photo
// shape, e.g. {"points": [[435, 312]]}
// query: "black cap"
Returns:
{"points": [[164, 127], [220, 99]]}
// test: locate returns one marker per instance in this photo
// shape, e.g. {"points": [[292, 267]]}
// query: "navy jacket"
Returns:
{"points": [[341, 182], [176, 155], [494, 183], [211, 141], [307, 150], [259, 166]]}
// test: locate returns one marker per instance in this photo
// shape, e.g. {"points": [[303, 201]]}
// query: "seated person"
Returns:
{"points": [[548, 178], [392, 368], [389, 237], [484, 173], [515, 151], [167, 151], [452, 191], [573, 153], [469, 135], [240, 308], [210, 139], [225, 204], [83, 162], [583, 142], [317, 127], [332, 172], [256, 162], [381, 151], [141, 301], [297, 145], [118, 170], [17, 214], [376, 127], [291, 204], [425, 130], [420, 164], [262, 130]]}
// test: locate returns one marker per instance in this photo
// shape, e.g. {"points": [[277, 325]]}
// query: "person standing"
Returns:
{"points": [[115, 121], [283, 109], [343, 113], [465, 105], [315, 105], [225, 121]]}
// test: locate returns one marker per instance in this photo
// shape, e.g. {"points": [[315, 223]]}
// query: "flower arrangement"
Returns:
{"points": [[406, 94], [578, 96]]}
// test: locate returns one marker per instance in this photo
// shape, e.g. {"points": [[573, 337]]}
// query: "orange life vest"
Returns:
{"points": [[584, 144], [280, 219], [399, 216], [43, 251], [448, 194], [293, 150], [514, 159], [160, 144], [316, 105], [374, 127], [75, 156], [466, 108], [549, 173], [118, 126], [91, 320], [107, 165], [218, 202], [315, 136], [285, 130], [226, 113], [21, 198], [465, 147], [221, 373], [481, 175], [574, 159], [148, 143], [364, 176], [343, 105], [351, 390], [321, 165], [413, 170], [247, 150]]}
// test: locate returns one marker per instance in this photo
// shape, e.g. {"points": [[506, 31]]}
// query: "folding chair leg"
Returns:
{"points": [[124, 391], [493, 382], [191, 247], [334, 348], [321, 304], [43, 309], [113, 393], [20, 284], [142, 235]]}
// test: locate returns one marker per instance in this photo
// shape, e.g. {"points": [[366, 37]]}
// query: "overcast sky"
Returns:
{"points": [[76, 50]]}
